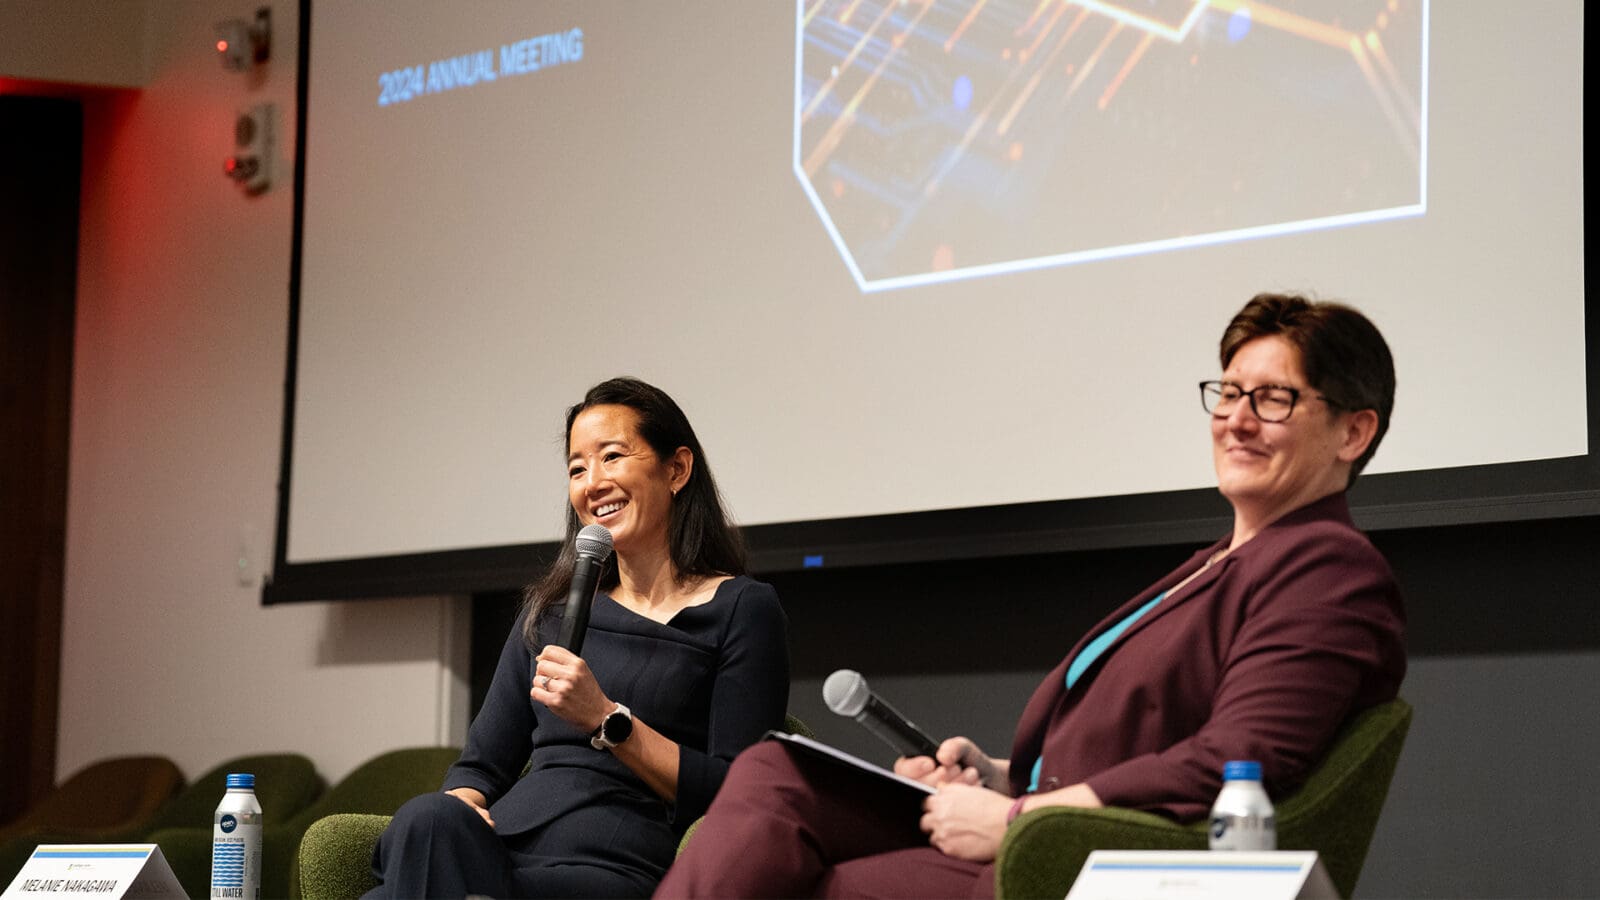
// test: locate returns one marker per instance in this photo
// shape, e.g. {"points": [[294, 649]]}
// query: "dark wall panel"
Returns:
{"points": [[39, 171]]}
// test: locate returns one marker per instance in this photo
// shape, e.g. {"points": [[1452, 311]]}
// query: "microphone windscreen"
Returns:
{"points": [[594, 541], [846, 692]]}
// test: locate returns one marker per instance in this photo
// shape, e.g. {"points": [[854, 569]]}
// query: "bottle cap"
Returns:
{"points": [[242, 780], [1241, 770]]}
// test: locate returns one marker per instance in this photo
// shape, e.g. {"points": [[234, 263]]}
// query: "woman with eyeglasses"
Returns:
{"points": [[1259, 647]]}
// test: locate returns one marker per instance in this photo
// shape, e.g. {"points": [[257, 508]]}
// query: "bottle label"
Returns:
{"points": [[1244, 832], [235, 860]]}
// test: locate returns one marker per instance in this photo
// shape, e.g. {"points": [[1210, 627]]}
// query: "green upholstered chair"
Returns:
{"points": [[379, 785], [111, 796], [285, 784], [1333, 813], [107, 801], [336, 853]]}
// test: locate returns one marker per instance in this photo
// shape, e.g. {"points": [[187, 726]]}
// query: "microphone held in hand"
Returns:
{"points": [[594, 548], [847, 694]]}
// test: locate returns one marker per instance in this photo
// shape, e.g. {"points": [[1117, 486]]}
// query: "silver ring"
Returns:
{"points": [[545, 680]]}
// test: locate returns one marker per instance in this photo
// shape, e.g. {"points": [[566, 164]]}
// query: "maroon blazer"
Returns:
{"points": [[1263, 656]]}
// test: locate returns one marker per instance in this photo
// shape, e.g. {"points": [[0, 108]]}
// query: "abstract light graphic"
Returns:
{"points": [[949, 139]]}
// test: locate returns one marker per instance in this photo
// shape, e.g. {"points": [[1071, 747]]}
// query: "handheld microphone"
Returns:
{"points": [[847, 694], [594, 548]]}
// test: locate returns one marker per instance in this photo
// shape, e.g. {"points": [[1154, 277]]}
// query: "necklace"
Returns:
{"points": [[1215, 557]]}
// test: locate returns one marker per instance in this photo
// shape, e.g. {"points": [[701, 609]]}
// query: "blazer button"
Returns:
{"points": [[1050, 784]]}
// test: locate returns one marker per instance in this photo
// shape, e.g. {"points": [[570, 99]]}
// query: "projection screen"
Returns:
{"points": [[929, 278]]}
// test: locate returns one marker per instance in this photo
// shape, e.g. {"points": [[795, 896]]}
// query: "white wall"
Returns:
{"points": [[74, 42], [177, 399]]}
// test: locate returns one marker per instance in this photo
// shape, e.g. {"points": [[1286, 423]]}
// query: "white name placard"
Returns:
{"points": [[1202, 875], [98, 871]]}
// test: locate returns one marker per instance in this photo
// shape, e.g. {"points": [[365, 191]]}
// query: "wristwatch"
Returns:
{"points": [[615, 728]]}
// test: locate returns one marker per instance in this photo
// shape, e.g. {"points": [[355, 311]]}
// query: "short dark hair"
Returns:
{"points": [[700, 538], [1343, 354]]}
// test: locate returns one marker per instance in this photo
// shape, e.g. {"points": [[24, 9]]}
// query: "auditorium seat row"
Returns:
{"points": [[144, 800]]}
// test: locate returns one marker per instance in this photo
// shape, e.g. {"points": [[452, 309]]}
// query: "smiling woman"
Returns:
{"points": [[685, 664], [628, 442], [1266, 468], [616, 479], [1269, 459]]}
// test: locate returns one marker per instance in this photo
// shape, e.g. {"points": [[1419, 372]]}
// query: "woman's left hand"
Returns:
{"points": [[966, 821], [563, 683]]}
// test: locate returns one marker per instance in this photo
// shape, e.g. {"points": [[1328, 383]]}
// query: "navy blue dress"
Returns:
{"points": [[580, 823]]}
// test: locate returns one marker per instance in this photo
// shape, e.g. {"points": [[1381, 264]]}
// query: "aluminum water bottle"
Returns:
{"points": [[1242, 817], [236, 842]]}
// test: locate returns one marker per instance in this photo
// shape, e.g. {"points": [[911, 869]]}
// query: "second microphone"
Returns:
{"points": [[847, 694]]}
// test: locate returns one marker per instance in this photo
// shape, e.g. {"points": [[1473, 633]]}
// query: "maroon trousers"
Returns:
{"points": [[786, 824]]}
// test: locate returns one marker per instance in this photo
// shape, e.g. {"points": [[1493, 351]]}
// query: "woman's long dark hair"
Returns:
{"points": [[700, 538]]}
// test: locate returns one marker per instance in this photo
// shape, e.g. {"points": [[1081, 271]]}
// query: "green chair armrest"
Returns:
{"points": [[683, 842], [336, 856], [1043, 850]]}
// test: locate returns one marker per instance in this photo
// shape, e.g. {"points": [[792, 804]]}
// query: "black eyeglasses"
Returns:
{"points": [[1270, 402]]}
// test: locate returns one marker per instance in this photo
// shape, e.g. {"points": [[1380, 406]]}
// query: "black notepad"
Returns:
{"points": [[823, 751]]}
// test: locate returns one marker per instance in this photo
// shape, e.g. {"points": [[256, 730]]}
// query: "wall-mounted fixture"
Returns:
{"points": [[251, 161], [242, 44]]}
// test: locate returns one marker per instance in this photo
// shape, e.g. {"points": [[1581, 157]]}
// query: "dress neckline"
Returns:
{"points": [[716, 595]]}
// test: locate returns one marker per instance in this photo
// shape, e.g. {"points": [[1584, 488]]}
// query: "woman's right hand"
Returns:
{"points": [[474, 799], [959, 761]]}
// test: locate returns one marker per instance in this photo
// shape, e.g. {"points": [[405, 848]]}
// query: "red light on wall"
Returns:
{"points": [[242, 44], [250, 163]]}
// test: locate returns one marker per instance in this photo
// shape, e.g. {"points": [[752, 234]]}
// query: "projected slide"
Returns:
{"points": [[956, 138], [895, 256]]}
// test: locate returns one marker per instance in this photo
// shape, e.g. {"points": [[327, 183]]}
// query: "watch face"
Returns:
{"points": [[617, 727]]}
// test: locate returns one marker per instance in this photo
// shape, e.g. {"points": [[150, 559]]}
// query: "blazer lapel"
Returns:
{"points": [[1048, 698], [1167, 604], [1195, 588]]}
